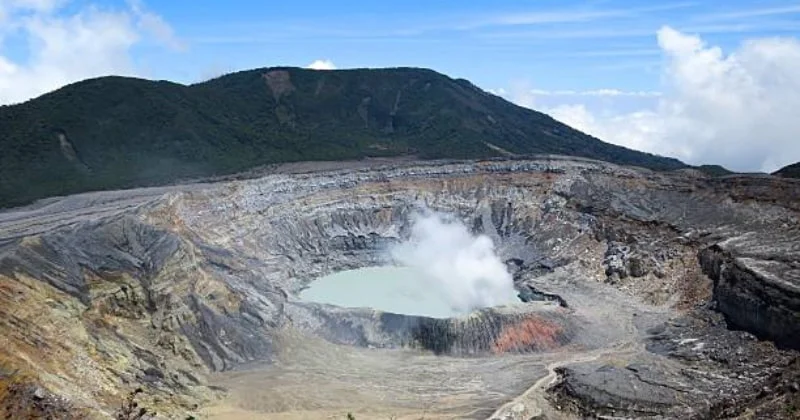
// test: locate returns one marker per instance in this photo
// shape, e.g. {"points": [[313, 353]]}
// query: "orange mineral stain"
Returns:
{"points": [[530, 333]]}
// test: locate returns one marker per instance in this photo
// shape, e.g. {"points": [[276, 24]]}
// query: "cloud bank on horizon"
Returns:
{"points": [[737, 109]]}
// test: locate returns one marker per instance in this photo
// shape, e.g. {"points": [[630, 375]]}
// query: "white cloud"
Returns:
{"points": [[751, 13], [536, 18], [595, 92], [322, 65], [36, 5], [64, 47], [156, 26], [641, 31], [520, 93], [568, 15], [736, 109]]}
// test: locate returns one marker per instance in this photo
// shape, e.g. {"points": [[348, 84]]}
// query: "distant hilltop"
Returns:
{"points": [[117, 132], [790, 171]]}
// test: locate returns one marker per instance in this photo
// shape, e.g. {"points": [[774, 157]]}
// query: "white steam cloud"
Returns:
{"points": [[464, 268]]}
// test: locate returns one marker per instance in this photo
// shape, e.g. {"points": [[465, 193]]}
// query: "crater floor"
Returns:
{"points": [[647, 294], [317, 379]]}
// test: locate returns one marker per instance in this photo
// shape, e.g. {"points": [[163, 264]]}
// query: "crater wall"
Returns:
{"points": [[160, 287]]}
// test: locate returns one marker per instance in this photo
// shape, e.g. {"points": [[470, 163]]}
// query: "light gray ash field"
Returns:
{"points": [[648, 294]]}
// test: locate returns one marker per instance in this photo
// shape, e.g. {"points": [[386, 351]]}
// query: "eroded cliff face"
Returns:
{"points": [[755, 295], [157, 288]]}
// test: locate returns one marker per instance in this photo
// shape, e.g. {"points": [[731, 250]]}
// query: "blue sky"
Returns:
{"points": [[663, 77], [558, 45]]}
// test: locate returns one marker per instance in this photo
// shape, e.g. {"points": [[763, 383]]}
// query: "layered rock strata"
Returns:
{"points": [[157, 288]]}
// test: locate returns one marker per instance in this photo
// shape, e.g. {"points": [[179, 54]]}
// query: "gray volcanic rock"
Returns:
{"points": [[488, 331], [760, 295], [693, 369], [165, 288], [636, 389]]}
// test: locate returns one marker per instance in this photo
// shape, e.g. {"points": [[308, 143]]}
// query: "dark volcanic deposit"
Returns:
{"points": [[647, 294]]}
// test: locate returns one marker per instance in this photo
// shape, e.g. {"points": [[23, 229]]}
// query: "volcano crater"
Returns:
{"points": [[627, 280]]}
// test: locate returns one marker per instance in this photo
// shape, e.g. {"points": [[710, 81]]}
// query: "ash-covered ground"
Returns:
{"points": [[649, 295]]}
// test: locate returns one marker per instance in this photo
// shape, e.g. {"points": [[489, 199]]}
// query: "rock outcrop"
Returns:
{"points": [[757, 295]]}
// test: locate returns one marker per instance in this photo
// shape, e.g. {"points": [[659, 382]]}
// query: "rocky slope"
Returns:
{"points": [[116, 132], [165, 288], [789, 171]]}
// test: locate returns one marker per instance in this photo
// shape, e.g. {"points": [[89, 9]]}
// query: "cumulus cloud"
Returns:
{"points": [[736, 109], [322, 65], [67, 45], [462, 267], [155, 25]]}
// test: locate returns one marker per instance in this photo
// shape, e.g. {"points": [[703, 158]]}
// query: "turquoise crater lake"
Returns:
{"points": [[401, 290]]}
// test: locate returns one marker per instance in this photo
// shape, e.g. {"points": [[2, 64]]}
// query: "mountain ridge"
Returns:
{"points": [[119, 132], [789, 171]]}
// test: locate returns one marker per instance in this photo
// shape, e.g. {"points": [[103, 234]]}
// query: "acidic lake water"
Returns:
{"points": [[400, 290]]}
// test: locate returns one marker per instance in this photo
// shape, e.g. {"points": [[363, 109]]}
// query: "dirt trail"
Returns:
{"points": [[533, 402]]}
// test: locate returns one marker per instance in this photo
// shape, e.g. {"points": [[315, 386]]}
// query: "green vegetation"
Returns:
{"points": [[791, 171], [116, 132], [715, 170]]}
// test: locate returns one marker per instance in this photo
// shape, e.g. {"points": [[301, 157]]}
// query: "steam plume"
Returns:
{"points": [[463, 267]]}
